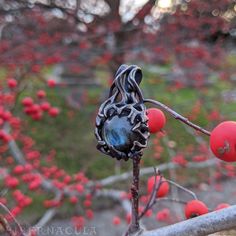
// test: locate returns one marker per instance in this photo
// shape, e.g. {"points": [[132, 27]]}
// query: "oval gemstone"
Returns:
{"points": [[117, 132]]}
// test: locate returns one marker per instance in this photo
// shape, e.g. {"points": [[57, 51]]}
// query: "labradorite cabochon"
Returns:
{"points": [[117, 132]]}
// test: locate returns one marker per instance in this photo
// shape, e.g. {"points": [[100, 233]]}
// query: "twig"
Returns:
{"points": [[170, 200], [177, 116], [13, 218], [183, 188], [152, 199], [49, 214], [6, 226]]}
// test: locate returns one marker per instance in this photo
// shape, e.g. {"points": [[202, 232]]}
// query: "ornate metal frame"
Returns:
{"points": [[121, 123]]}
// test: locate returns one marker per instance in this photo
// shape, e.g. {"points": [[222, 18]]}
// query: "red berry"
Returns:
{"points": [[28, 167], [35, 109], [128, 218], [163, 215], [27, 101], [35, 184], [67, 179], [16, 211], [51, 83], [6, 115], [156, 120], [223, 141], [148, 213], [48, 203], [33, 232], [195, 208], [87, 203], [164, 187], [222, 206], [11, 182], [80, 188], [45, 106], [53, 112], [78, 222], [18, 170], [89, 214], [116, 220], [73, 199], [27, 201], [37, 116], [41, 94], [12, 83]]}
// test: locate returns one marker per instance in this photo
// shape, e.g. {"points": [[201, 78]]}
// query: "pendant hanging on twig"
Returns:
{"points": [[121, 123]]}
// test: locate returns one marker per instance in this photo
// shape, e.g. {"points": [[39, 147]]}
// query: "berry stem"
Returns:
{"points": [[177, 116], [152, 199], [183, 188]]}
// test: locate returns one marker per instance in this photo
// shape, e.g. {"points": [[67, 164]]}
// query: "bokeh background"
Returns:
{"points": [[70, 50]]}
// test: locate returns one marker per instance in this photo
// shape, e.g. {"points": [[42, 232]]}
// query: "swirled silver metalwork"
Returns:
{"points": [[121, 124]]}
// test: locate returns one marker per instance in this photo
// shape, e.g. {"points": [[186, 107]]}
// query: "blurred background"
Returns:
{"points": [[70, 50]]}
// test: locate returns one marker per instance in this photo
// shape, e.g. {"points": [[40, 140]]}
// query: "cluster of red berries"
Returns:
{"points": [[36, 110], [22, 201]]}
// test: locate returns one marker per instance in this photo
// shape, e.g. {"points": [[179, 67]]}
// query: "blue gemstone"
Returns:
{"points": [[117, 132]]}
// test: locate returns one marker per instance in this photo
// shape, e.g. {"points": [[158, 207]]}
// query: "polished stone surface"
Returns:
{"points": [[117, 132]]}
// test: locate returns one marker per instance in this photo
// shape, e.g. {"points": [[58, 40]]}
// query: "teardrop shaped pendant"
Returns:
{"points": [[121, 123]]}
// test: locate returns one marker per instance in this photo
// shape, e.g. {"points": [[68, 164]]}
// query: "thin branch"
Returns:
{"points": [[4, 223], [49, 214], [152, 199], [13, 218], [170, 200], [182, 188], [179, 117], [145, 10]]}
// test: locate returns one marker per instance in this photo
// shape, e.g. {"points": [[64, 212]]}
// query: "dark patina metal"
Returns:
{"points": [[121, 123]]}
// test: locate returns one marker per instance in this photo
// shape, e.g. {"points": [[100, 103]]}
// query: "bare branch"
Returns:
{"points": [[200, 226], [49, 214], [177, 116], [149, 170], [6, 225], [152, 199], [145, 10], [182, 188]]}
